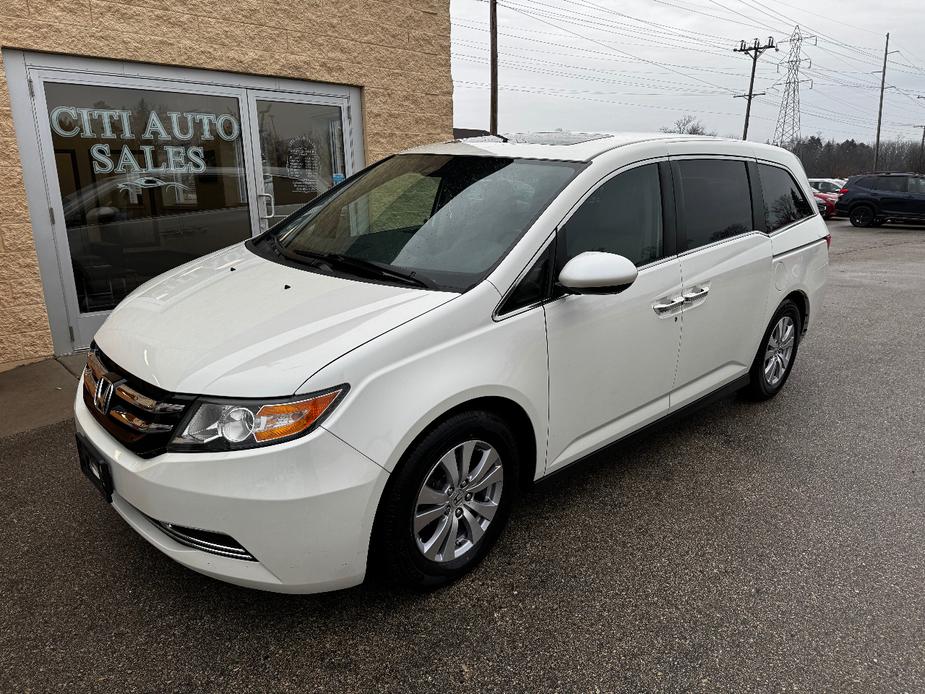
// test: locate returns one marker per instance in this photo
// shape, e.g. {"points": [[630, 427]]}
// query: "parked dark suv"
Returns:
{"points": [[872, 199]]}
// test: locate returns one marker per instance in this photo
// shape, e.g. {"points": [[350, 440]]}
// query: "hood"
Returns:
{"points": [[235, 324]]}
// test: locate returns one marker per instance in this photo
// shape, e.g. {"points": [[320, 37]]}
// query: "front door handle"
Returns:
{"points": [[663, 307], [694, 294]]}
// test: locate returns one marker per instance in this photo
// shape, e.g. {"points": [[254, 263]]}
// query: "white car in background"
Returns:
{"points": [[372, 380], [827, 185]]}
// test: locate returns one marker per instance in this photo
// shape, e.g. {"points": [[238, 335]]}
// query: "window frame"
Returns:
{"points": [[669, 234], [758, 198]]}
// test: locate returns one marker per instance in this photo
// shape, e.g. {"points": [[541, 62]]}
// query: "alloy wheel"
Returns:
{"points": [[862, 216], [779, 350], [457, 501]]}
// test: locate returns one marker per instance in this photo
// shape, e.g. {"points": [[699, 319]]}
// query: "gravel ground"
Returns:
{"points": [[752, 547]]}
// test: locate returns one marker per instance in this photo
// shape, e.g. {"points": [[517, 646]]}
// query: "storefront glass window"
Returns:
{"points": [[149, 180]]}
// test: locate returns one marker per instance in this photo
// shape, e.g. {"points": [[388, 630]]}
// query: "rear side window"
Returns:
{"points": [[917, 185], [890, 184], [784, 202], [862, 182], [714, 201], [622, 216]]}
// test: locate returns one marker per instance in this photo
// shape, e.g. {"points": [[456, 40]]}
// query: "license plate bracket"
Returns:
{"points": [[95, 468]]}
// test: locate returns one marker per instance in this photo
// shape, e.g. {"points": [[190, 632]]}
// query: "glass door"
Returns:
{"points": [[300, 146], [143, 177], [145, 174]]}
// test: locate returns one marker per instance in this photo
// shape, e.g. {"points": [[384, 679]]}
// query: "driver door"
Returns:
{"points": [[612, 357]]}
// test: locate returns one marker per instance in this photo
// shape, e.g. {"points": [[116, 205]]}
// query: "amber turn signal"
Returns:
{"points": [[288, 419]]}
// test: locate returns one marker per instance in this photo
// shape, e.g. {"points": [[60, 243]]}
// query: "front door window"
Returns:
{"points": [[148, 179]]}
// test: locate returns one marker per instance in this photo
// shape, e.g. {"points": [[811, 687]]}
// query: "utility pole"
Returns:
{"points": [[922, 148], [886, 52], [754, 52], [493, 31]]}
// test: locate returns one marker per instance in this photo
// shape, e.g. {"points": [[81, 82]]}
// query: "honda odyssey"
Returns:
{"points": [[370, 382]]}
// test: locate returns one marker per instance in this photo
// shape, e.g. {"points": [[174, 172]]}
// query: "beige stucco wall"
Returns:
{"points": [[398, 52]]}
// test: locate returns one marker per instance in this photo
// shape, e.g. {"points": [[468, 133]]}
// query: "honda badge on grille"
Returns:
{"points": [[103, 395]]}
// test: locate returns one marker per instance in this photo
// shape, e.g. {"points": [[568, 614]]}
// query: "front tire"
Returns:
{"points": [[777, 352], [447, 501]]}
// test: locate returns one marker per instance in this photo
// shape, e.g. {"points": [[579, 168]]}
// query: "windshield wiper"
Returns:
{"points": [[365, 267]]}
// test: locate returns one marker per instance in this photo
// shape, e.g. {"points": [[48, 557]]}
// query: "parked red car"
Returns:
{"points": [[829, 199]]}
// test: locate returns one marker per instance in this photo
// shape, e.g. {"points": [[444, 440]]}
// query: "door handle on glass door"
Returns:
{"points": [[271, 209], [663, 307], [694, 294]]}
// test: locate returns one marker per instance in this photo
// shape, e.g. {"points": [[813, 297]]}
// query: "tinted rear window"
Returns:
{"points": [[784, 202], [893, 184], [714, 201]]}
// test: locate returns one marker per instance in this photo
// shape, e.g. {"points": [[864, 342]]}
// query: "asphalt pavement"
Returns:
{"points": [[750, 547]]}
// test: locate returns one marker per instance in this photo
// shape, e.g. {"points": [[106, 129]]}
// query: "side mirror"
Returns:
{"points": [[593, 272]]}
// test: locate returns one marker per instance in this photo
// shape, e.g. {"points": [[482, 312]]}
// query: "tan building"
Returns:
{"points": [[135, 136]]}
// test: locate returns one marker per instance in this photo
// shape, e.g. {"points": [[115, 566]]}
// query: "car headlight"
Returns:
{"points": [[221, 424]]}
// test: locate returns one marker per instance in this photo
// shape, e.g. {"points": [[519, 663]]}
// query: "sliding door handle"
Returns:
{"points": [[694, 294], [663, 307]]}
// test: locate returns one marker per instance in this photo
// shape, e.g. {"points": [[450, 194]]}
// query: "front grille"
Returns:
{"points": [[204, 540], [142, 417]]}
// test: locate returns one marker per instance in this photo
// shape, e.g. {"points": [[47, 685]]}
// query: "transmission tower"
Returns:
{"points": [[788, 120]]}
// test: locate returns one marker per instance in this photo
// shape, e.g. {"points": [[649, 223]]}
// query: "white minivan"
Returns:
{"points": [[370, 382]]}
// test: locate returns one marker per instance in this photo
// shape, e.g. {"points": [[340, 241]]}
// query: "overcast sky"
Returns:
{"points": [[641, 64]]}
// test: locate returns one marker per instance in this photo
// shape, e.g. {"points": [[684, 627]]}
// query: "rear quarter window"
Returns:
{"points": [[784, 202]]}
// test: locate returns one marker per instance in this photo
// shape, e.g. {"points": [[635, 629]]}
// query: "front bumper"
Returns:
{"points": [[303, 509]]}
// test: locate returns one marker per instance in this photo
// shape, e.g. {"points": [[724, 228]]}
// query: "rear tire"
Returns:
{"points": [[434, 525], [862, 216], [776, 353]]}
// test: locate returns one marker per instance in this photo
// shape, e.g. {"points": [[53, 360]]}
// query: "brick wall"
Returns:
{"points": [[398, 52]]}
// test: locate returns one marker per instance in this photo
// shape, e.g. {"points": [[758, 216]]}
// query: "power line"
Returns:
{"points": [[596, 23], [605, 45], [761, 7], [588, 3], [826, 17], [550, 92], [596, 77], [516, 52], [660, 30], [766, 26], [611, 55]]}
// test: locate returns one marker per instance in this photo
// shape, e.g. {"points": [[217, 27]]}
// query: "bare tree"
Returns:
{"points": [[688, 125]]}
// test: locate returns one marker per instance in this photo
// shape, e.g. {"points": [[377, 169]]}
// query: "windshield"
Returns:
{"points": [[441, 221]]}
